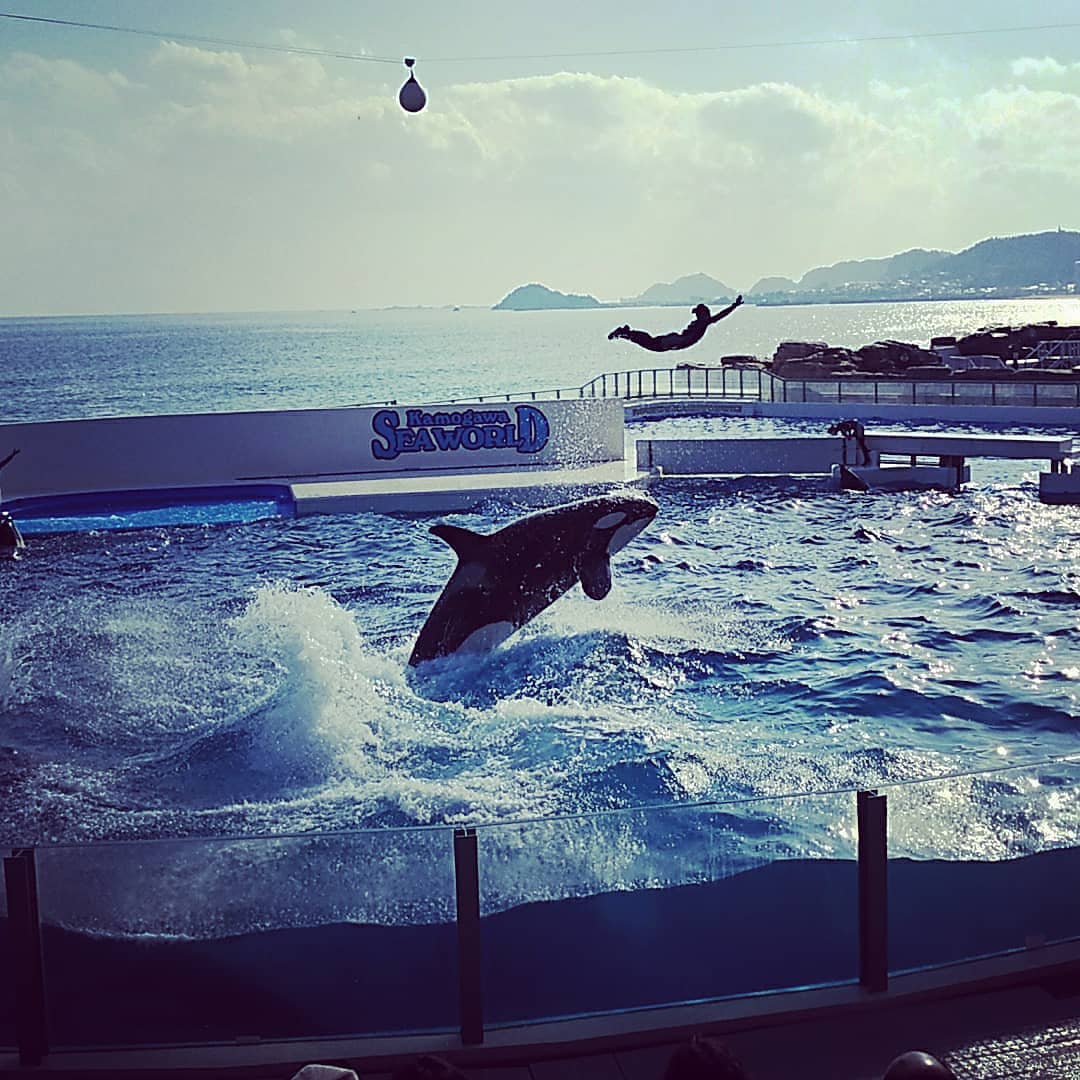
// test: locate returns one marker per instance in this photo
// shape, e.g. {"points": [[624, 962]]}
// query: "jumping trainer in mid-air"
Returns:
{"points": [[680, 339]]}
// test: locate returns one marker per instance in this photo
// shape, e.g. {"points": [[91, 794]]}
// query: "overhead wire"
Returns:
{"points": [[203, 39], [735, 46]]}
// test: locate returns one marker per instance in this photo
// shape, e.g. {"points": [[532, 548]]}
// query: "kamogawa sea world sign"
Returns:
{"points": [[419, 431]]}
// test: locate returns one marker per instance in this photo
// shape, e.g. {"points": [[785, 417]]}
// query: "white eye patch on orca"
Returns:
{"points": [[625, 533], [610, 520]]}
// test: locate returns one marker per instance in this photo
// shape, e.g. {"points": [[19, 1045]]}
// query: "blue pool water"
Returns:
{"points": [[762, 637], [113, 510]]}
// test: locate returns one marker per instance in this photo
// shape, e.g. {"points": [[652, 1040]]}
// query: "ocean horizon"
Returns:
{"points": [[65, 367]]}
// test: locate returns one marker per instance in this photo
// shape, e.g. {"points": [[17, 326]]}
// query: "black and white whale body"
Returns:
{"points": [[12, 543], [504, 579]]}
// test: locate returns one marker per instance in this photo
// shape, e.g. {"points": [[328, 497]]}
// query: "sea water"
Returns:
{"points": [[763, 637]]}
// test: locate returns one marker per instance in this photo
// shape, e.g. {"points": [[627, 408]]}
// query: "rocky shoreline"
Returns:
{"points": [[995, 352]]}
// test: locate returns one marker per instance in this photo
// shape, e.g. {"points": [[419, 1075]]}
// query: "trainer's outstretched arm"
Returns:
{"points": [[727, 311]]}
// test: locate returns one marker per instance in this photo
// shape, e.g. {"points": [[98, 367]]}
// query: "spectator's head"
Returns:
{"points": [[704, 1059], [917, 1065], [325, 1072], [429, 1067]]}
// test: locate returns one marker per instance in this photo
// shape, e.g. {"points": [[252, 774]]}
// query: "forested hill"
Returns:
{"points": [[1009, 262], [1048, 257], [539, 298]]}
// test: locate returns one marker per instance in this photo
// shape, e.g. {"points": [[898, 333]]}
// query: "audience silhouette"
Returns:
{"points": [[917, 1065], [703, 1058]]}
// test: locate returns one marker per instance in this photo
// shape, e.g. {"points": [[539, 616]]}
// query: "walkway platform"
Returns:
{"points": [[441, 492], [1014, 447], [1006, 1025], [817, 454]]}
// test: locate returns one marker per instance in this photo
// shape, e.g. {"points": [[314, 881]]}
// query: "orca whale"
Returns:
{"points": [[504, 579], [11, 540]]}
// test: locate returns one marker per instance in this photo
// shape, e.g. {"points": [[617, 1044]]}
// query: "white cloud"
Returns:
{"points": [[67, 81], [1041, 67], [285, 178], [222, 92]]}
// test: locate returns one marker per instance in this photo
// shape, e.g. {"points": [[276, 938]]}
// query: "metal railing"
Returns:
{"points": [[1017, 392], [1061, 349], [732, 383], [757, 384]]}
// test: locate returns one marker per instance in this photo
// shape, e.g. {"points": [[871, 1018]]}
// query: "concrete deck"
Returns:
{"points": [[448, 492], [1014, 447], [1014, 1017], [1021, 1033]]}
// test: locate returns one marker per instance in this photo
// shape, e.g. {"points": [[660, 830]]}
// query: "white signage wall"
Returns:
{"points": [[139, 452]]}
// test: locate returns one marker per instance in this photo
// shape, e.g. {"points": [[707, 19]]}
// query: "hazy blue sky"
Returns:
{"points": [[144, 173]]}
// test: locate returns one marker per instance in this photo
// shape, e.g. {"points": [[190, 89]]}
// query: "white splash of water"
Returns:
{"points": [[14, 666]]}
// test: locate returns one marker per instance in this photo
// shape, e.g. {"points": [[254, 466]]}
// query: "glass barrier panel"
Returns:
{"points": [[973, 393], [931, 393], [982, 865], [894, 391], [852, 390], [667, 905], [215, 940], [1004, 393], [1059, 393], [819, 390]]}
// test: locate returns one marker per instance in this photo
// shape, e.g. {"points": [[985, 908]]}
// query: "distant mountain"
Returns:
{"points": [[539, 298], [1044, 263], [691, 289], [1039, 258], [915, 263], [1047, 258], [772, 284]]}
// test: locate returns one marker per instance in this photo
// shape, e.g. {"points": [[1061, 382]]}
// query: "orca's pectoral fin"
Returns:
{"points": [[595, 574]]}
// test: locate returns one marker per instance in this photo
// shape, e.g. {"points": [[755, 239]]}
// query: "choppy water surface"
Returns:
{"points": [[762, 638]]}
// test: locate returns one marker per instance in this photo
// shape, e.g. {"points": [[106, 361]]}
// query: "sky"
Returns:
{"points": [[580, 145]]}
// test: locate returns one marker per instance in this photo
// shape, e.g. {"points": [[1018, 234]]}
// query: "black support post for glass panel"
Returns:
{"points": [[467, 879], [27, 969], [873, 892]]}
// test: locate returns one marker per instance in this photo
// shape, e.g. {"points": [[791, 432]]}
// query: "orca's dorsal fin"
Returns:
{"points": [[467, 544]]}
